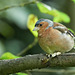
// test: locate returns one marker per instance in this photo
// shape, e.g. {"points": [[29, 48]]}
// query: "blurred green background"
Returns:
{"points": [[14, 34]]}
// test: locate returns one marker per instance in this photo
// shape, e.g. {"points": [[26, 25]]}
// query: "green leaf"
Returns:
{"points": [[58, 16], [61, 17], [73, 1], [32, 19], [43, 7], [8, 55], [6, 30], [21, 73]]}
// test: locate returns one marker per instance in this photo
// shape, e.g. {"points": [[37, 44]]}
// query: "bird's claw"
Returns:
{"points": [[44, 61]]}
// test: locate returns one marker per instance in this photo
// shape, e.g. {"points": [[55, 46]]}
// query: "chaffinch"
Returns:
{"points": [[54, 38]]}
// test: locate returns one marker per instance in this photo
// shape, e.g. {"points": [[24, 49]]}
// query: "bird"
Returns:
{"points": [[54, 38]]}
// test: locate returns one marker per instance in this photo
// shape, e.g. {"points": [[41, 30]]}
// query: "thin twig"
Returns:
{"points": [[19, 5], [28, 47]]}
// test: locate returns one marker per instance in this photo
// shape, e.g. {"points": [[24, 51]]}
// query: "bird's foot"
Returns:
{"points": [[44, 61], [55, 54]]}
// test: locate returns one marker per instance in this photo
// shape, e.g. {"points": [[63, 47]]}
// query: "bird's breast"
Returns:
{"points": [[53, 40]]}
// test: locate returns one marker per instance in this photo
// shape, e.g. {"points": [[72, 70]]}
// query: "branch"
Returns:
{"points": [[34, 61], [19, 5], [66, 71]]}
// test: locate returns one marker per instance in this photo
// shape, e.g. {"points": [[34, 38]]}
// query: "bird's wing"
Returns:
{"points": [[60, 27], [63, 29], [71, 33]]}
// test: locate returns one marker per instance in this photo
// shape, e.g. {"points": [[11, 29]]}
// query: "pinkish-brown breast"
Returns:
{"points": [[52, 40]]}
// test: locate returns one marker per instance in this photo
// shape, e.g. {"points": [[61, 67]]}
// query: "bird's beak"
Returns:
{"points": [[36, 29]]}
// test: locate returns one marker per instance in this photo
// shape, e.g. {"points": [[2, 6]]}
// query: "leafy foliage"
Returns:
{"points": [[21, 73], [73, 1], [31, 22], [58, 16], [8, 55]]}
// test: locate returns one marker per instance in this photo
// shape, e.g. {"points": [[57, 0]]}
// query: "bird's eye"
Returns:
{"points": [[40, 24]]}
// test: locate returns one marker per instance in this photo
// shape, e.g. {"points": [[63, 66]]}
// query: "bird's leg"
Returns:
{"points": [[44, 61]]}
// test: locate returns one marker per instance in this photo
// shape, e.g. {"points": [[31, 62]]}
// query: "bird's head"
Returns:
{"points": [[43, 24]]}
